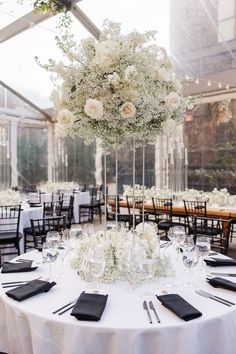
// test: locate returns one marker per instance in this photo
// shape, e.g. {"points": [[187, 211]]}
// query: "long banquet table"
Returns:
{"points": [[29, 327], [178, 209]]}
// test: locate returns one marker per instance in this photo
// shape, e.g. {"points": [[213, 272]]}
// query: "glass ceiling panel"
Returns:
{"points": [[10, 10], [133, 14], [18, 68]]}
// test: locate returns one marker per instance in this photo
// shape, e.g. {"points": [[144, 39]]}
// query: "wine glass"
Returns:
{"points": [[53, 236], [203, 248], [96, 265], [190, 260], [88, 230], [52, 252], [63, 250], [96, 269]]}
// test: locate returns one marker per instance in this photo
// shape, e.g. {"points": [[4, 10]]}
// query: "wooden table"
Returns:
{"points": [[221, 212]]}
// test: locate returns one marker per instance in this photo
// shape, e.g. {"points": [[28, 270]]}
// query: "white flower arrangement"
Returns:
{"points": [[148, 193], [52, 187], [216, 197], [9, 197], [118, 248], [118, 88]]}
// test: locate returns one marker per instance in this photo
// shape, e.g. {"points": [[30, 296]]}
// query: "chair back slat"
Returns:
{"points": [[161, 207], [40, 227], [52, 208], [133, 201], [9, 218], [218, 230]]}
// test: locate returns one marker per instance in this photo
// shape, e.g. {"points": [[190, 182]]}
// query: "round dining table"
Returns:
{"points": [[30, 327]]}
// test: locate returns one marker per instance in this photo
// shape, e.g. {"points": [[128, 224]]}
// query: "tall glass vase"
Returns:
{"points": [[105, 193], [133, 171]]}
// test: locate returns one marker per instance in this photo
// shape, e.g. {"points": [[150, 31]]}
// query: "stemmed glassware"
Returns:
{"points": [[177, 236], [190, 259], [203, 248], [96, 265], [50, 253], [63, 250]]}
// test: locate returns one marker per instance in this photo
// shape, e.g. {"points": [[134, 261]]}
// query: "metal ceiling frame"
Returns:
{"points": [[28, 102], [32, 19]]}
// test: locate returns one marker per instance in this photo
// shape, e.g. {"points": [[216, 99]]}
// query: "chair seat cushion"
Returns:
{"points": [[89, 206], [206, 231], [166, 224], [29, 231], [8, 236]]}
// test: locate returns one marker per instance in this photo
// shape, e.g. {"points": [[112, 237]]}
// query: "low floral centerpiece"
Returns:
{"points": [[9, 197], [53, 187], [120, 253]]}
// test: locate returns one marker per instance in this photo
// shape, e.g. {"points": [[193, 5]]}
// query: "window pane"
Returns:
{"points": [[226, 30], [32, 155], [211, 141], [226, 9]]}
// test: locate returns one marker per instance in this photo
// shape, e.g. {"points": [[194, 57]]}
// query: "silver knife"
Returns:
{"points": [[154, 310], [217, 297], [224, 274], [202, 293], [145, 307]]}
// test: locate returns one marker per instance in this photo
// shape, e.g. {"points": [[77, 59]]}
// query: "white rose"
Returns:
{"points": [[65, 118], [127, 110], [130, 72], [162, 74], [107, 54], [93, 108], [113, 79], [172, 100]]}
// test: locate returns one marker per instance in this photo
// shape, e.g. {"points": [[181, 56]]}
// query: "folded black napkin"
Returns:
{"points": [[218, 282], [179, 306], [220, 262], [89, 307], [30, 289], [35, 205], [17, 267]]}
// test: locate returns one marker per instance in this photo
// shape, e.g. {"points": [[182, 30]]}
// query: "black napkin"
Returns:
{"points": [[30, 289], [218, 282], [17, 267], [35, 205], [89, 307], [220, 262], [179, 306]]}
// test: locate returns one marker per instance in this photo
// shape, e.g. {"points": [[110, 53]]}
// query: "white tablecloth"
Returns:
{"points": [[29, 327], [80, 198]]}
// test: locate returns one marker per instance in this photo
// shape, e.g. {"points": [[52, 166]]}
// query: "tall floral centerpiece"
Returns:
{"points": [[119, 88]]}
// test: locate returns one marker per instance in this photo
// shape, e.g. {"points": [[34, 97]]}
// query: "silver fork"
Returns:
{"points": [[212, 297], [145, 307]]}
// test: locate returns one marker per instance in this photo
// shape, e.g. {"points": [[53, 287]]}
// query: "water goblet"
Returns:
{"points": [[63, 250], [52, 253], [203, 248], [190, 259], [96, 268], [53, 236]]}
